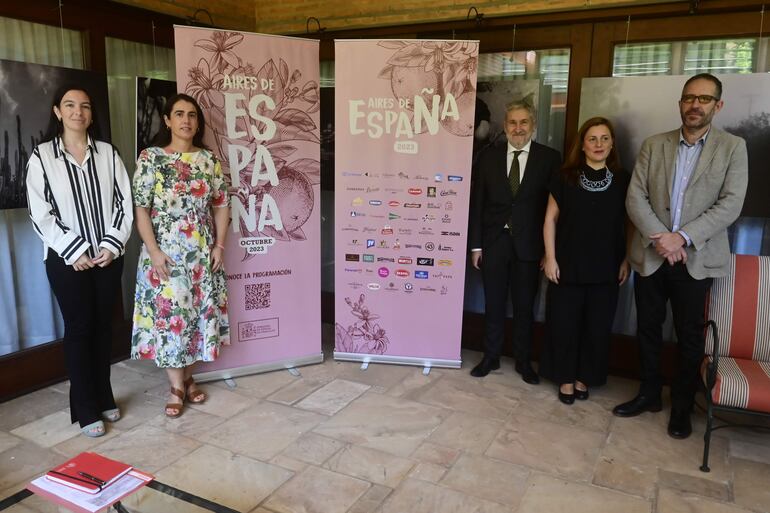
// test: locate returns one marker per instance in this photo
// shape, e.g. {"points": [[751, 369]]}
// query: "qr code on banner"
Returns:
{"points": [[257, 296]]}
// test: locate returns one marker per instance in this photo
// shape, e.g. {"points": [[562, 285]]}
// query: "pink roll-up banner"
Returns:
{"points": [[403, 146], [260, 97]]}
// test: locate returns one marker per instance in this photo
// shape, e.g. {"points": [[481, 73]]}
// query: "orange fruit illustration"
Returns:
{"points": [[294, 197], [409, 82]]}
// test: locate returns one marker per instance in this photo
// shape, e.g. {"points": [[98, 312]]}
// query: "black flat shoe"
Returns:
{"points": [[485, 366], [637, 406], [528, 374], [581, 395], [566, 398], [679, 425]]}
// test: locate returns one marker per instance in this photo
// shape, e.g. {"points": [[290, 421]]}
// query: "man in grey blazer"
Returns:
{"points": [[687, 187]]}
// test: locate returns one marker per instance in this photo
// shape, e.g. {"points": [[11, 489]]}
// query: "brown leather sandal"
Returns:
{"points": [[194, 394], [175, 406]]}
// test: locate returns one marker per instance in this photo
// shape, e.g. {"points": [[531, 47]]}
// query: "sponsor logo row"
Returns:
{"points": [[438, 177], [430, 192], [425, 230], [384, 272], [359, 201], [403, 260], [407, 287], [396, 244], [392, 216]]}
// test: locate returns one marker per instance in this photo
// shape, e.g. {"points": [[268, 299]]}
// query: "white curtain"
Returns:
{"points": [[40, 44], [125, 61], [29, 315]]}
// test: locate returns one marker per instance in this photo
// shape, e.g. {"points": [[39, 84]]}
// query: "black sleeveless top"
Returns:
{"points": [[590, 231]]}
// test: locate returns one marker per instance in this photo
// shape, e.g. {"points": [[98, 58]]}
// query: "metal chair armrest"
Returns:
{"points": [[711, 370]]}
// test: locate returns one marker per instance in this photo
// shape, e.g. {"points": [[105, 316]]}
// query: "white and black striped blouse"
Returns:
{"points": [[79, 209]]}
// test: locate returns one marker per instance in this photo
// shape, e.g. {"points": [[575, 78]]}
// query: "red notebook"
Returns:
{"points": [[88, 472]]}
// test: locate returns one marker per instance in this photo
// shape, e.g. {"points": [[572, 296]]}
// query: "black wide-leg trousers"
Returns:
{"points": [[578, 330], [86, 299]]}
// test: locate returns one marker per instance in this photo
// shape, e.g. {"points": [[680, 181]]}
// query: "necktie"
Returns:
{"points": [[514, 172], [513, 180]]}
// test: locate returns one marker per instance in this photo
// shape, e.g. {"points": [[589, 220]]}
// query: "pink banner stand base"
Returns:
{"points": [[397, 360], [258, 368]]}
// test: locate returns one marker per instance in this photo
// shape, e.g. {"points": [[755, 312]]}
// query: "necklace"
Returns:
{"points": [[596, 185]]}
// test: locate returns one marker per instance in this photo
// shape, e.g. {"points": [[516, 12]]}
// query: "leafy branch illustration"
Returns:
{"points": [[364, 335], [428, 68], [294, 100], [452, 65]]}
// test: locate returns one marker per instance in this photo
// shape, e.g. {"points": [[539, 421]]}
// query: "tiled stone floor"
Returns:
{"points": [[391, 440]]}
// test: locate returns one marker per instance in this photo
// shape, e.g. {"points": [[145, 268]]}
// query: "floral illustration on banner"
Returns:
{"points": [[428, 68], [364, 335], [293, 100]]}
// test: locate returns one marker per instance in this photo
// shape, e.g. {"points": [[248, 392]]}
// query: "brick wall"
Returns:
{"points": [[290, 16], [231, 14]]}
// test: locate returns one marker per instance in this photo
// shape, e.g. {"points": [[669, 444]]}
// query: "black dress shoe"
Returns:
{"points": [[581, 395], [637, 406], [485, 366], [566, 398], [528, 374], [679, 425]]}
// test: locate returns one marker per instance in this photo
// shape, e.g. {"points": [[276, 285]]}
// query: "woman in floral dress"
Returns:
{"points": [[180, 314]]}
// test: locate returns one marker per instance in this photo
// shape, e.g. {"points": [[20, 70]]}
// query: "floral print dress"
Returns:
{"points": [[184, 319]]}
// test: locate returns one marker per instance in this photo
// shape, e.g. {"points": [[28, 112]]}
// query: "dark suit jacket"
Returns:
{"points": [[492, 202]]}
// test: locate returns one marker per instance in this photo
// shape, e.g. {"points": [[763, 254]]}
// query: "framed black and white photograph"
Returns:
{"points": [[643, 106], [151, 97], [26, 96]]}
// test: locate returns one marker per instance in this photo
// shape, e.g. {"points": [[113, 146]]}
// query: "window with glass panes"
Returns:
{"points": [[719, 56]]}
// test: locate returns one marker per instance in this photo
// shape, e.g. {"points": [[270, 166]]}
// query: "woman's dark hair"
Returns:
{"points": [[576, 159], [56, 127], [163, 137]]}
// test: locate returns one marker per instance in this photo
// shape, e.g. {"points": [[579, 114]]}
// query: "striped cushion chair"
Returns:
{"points": [[736, 369]]}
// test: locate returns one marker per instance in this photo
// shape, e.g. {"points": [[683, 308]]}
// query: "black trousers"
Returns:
{"points": [[503, 273], [688, 299], [86, 299], [578, 330]]}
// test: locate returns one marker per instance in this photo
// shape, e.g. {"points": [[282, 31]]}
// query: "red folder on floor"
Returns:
{"points": [[120, 480], [88, 472]]}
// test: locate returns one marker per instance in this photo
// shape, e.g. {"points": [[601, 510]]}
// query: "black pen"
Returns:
{"points": [[87, 481], [95, 479]]}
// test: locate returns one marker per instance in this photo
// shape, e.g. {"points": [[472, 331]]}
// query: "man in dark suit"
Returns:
{"points": [[688, 186], [508, 199]]}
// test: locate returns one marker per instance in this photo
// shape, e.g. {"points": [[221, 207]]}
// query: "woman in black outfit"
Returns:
{"points": [[585, 249]]}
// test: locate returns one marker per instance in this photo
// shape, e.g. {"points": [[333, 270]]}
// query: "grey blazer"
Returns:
{"points": [[713, 200]]}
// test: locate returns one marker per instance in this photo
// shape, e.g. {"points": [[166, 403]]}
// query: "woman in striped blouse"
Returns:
{"points": [[79, 200]]}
